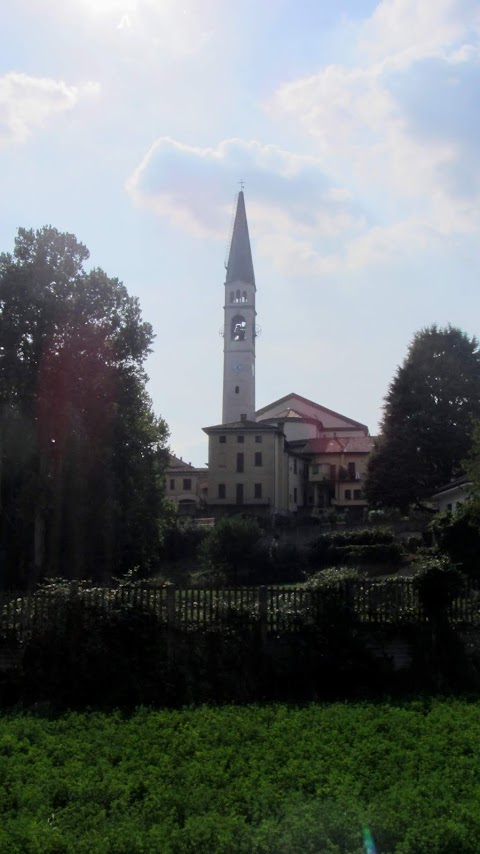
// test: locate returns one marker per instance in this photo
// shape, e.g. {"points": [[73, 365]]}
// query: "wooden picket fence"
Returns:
{"points": [[274, 609]]}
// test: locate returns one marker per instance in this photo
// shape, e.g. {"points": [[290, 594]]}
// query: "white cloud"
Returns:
{"points": [[303, 223], [394, 167], [27, 103], [408, 30], [177, 29], [293, 208], [394, 126]]}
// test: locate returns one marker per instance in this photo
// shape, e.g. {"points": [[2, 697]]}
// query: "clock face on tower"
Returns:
{"points": [[238, 367]]}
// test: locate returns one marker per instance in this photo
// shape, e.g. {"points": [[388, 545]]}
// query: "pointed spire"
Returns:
{"points": [[240, 264]]}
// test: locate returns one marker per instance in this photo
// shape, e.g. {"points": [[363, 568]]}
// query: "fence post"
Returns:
{"points": [[263, 613], [171, 606], [171, 595]]}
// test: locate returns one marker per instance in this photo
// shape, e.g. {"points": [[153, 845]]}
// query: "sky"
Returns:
{"points": [[355, 128]]}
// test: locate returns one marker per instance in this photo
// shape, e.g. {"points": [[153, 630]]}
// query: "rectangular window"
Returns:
{"points": [[239, 462], [295, 466], [348, 495], [243, 416], [333, 472], [222, 490], [240, 439], [222, 439], [257, 490], [258, 440], [172, 484], [351, 471], [357, 494], [295, 499], [258, 458], [315, 469], [187, 484], [239, 493], [237, 389]]}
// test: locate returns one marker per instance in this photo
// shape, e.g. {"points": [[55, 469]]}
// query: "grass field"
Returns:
{"points": [[245, 779]]}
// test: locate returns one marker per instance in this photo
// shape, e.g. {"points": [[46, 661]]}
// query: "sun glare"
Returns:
{"points": [[107, 7]]}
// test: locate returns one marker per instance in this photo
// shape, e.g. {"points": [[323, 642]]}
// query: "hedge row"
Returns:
{"points": [[347, 547]]}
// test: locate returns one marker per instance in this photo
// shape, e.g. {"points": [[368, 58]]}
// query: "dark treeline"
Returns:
{"points": [[81, 451]]}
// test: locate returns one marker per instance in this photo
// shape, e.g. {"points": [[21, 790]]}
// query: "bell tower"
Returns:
{"points": [[239, 324]]}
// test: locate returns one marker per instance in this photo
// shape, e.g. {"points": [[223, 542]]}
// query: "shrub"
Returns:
{"points": [[181, 540], [438, 584], [229, 549]]}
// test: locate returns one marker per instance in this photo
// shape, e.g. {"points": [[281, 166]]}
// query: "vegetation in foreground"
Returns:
{"points": [[245, 779]]}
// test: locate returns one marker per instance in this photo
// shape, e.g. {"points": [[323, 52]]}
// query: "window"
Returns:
{"points": [[172, 484], [351, 471], [239, 462], [187, 484], [257, 490], [315, 469], [348, 495], [239, 493], [357, 494], [222, 439], [243, 416], [333, 472], [237, 389], [238, 328], [258, 458], [222, 490], [258, 440], [295, 498], [295, 466], [240, 440]]}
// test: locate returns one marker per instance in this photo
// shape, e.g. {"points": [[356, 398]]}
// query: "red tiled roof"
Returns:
{"points": [[317, 406]]}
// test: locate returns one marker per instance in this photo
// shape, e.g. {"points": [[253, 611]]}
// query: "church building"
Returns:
{"points": [[292, 457]]}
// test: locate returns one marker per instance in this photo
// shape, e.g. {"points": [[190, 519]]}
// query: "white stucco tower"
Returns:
{"points": [[239, 325]]}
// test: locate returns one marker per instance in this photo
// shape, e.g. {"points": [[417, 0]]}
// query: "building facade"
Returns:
{"points": [[186, 486]]}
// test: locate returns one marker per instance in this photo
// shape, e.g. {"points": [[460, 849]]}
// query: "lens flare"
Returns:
{"points": [[368, 841]]}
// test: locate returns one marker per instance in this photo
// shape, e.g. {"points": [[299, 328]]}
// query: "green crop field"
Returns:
{"points": [[320, 778]]}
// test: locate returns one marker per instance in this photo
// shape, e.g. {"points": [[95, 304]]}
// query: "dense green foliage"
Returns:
{"points": [[251, 780], [428, 419], [81, 452]]}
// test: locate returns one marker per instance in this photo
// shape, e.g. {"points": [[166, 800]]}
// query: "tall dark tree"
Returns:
{"points": [[82, 454], [428, 418]]}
